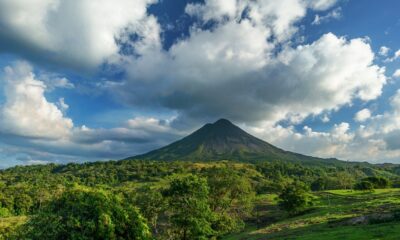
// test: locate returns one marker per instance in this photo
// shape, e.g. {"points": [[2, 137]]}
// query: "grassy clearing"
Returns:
{"points": [[328, 219]]}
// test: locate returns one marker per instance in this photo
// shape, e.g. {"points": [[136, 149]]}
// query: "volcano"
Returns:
{"points": [[222, 140]]}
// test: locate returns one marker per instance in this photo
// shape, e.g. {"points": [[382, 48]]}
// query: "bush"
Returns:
{"points": [[364, 186], [294, 198], [4, 212], [378, 182], [319, 185]]}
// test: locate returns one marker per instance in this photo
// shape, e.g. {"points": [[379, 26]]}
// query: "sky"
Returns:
{"points": [[84, 80]]}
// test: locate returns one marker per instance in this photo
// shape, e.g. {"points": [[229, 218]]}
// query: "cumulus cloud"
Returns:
{"points": [[278, 16], [26, 111], [375, 142], [362, 115], [325, 118], [260, 75], [77, 33], [397, 54], [384, 51], [335, 142], [396, 73], [39, 130], [209, 75]]}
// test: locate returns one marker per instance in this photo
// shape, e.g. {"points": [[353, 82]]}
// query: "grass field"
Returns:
{"points": [[338, 214]]}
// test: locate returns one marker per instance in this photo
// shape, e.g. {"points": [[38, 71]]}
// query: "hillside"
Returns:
{"points": [[336, 215], [222, 140]]}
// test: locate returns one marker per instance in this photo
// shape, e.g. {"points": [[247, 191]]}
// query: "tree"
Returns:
{"points": [[344, 179], [294, 198], [81, 213], [364, 186], [319, 184], [231, 199], [151, 204], [377, 182], [22, 204], [190, 213]]}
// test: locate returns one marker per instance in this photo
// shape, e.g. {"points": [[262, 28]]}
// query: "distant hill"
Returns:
{"points": [[223, 140]]}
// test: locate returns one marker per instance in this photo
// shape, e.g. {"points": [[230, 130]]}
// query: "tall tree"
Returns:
{"points": [[190, 213], [231, 199]]}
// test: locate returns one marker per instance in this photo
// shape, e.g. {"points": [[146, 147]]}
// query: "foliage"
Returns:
{"points": [[190, 214], [378, 182], [364, 186], [231, 199], [151, 204], [233, 188], [294, 198], [86, 214], [330, 219]]}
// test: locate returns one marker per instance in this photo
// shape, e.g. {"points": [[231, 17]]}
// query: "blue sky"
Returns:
{"points": [[84, 81]]}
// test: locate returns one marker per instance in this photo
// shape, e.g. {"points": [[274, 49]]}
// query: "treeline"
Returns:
{"points": [[163, 200]]}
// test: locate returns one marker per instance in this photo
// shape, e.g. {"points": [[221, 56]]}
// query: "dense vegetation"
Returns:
{"points": [[171, 200]]}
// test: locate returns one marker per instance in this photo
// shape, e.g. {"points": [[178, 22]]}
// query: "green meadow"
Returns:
{"points": [[332, 217]]}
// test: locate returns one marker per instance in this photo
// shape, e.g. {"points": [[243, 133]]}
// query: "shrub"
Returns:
{"points": [[364, 186], [294, 198], [378, 182]]}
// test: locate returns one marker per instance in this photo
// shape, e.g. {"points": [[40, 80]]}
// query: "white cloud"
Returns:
{"points": [[396, 56], [396, 73], [334, 14], [376, 141], [26, 111], [325, 118], [362, 115], [321, 4], [80, 33], [278, 16], [208, 75], [38, 130], [333, 143], [53, 81], [62, 105], [261, 78], [384, 51]]}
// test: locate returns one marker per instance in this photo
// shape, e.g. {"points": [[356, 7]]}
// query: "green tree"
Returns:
{"points": [[81, 213], [231, 199], [364, 186], [190, 212], [151, 203], [378, 182], [22, 204], [319, 184], [294, 198]]}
